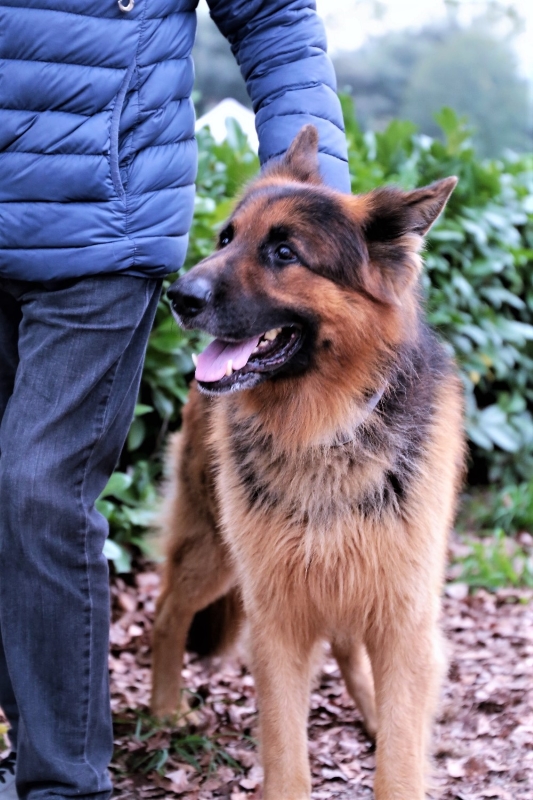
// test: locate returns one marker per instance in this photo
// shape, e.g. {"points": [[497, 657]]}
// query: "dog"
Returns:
{"points": [[314, 482]]}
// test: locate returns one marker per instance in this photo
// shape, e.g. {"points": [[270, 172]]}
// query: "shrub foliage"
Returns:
{"points": [[478, 283]]}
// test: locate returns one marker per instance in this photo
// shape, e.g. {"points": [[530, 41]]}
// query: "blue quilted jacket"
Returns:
{"points": [[97, 150]]}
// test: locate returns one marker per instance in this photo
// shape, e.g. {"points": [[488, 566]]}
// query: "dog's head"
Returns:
{"points": [[305, 278]]}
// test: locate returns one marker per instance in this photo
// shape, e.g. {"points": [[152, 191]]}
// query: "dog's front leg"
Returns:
{"points": [[282, 667], [407, 666]]}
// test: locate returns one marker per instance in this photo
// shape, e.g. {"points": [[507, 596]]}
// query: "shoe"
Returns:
{"points": [[8, 790]]}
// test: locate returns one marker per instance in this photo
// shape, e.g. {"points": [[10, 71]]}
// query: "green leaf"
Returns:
{"points": [[446, 235], [136, 434], [105, 507], [163, 404], [142, 517], [117, 485], [141, 409], [118, 555], [506, 438], [167, 342]]}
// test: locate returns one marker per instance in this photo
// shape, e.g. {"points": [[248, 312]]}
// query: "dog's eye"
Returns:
{"points": [[225, 236], [285, 254]]}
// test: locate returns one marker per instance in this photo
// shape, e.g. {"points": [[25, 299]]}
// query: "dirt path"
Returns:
{"points": [[484, 734]]}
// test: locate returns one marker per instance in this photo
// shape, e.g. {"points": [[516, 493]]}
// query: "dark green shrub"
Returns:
{"points": [[479, 285]]}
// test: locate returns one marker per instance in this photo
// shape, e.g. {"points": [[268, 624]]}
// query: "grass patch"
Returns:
{"points": [[494, 561], [496, 542], [147, 745], [509, 509]]}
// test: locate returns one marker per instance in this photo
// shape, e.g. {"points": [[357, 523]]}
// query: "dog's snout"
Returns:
{"points": [[190, 294]]}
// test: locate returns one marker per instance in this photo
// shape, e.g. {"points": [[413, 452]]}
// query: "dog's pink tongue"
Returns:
{"points": [[212, 363]]}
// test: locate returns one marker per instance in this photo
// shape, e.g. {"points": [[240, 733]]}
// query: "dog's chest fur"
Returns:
{"points": [[321, 485], [329, 517], [367, 473]]}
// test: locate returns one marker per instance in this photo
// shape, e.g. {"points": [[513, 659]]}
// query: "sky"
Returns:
{"points": [[350, 23]]}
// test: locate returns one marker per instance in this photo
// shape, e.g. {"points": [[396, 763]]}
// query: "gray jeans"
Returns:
{"points": [[71, 357]]}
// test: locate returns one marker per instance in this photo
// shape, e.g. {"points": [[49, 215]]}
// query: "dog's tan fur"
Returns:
{"points": [[314, 508]]}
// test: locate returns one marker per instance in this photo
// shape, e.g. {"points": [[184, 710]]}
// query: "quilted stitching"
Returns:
{"points": [[97, 151]]}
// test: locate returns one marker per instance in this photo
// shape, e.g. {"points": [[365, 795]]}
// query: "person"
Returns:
{"points": [[97, 170]]}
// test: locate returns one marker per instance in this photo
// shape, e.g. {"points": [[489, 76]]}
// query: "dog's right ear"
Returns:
{"points": [[300, 162]]}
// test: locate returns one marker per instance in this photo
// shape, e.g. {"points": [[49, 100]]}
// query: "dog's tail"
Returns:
{"points": [[215, 628]]}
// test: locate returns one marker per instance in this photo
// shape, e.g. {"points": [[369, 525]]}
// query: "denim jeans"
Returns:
{"points": [[71, 357]]}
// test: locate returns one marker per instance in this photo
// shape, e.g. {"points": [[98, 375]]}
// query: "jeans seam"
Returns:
{"points": [[101, 424], [98, 436]]}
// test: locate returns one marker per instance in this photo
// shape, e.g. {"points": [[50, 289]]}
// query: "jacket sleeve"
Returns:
{"points": [[280, 46]]}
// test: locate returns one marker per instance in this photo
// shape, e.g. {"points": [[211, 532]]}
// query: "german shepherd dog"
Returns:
{"points": [[314, 483]]}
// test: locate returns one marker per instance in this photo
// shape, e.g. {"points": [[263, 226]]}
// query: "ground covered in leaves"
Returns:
{"points": [[483, 744]]}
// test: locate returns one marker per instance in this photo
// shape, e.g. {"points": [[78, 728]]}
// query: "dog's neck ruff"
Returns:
{"points": [[345, 437]]}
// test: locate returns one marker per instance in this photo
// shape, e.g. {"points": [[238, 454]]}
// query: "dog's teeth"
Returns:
{"points": [[271, 335], [229, 368], [267, 338], [194, 359]]}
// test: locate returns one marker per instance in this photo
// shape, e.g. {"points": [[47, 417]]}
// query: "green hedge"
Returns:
{"points": [[479, 285]]}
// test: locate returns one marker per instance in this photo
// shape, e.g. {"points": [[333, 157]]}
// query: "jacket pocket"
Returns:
{"points": [[114, 131]]}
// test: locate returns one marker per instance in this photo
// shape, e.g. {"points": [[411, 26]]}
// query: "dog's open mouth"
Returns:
{"points": [[226, 365]]}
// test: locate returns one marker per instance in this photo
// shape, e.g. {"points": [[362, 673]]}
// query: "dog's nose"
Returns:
{"points": [[190, 294]]}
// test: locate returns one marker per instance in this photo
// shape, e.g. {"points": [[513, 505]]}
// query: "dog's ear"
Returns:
{"points": [[394, 225], [393, 213], [300, 162]]}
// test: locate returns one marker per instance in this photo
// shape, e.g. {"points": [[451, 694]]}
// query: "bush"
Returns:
{"points": [[479, 285]]}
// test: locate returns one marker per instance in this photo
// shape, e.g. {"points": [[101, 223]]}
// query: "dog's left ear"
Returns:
{"points": [[394, 225], [300, 162], [394, 213]]}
